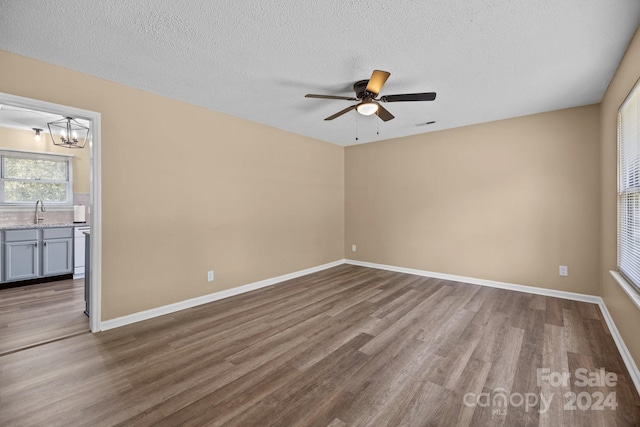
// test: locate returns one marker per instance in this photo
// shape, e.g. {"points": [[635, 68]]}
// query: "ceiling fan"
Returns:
{"points": [[367, 91]]}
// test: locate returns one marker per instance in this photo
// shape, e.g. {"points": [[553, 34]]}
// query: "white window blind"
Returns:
{"points": [[629, 188]]}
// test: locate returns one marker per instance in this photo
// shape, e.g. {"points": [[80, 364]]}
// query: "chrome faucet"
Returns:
{"points": [[39, 218]]}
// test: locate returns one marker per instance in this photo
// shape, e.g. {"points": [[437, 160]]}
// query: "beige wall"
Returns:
{"points": [[508, 200], [17, 139], [624, 313], [217, 192]]}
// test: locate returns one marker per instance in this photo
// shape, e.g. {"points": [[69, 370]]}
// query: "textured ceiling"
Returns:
{"points": [[487, 60]]}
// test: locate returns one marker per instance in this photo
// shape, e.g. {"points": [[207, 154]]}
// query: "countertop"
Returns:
{"points": [[27, 226]]}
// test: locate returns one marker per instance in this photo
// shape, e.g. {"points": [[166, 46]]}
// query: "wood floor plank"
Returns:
{"points": [[486, 306], [376, 397], [447, 335], [555, 359], [503, 369], [230, 400], [43, 312], [574, 333], [396, 286], [465, 401], [337, 423], [533, 329], [309, 385], [525, 383], [346, 346], [456, 361], [420, 310], [538, 302], [553, 312], [427, 405]]}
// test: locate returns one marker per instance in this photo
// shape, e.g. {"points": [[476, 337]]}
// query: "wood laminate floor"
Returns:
{"points": [[345, 346], [34, 314]]}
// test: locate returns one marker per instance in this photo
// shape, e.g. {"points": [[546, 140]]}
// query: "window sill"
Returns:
{"points": [[10, 208], [627, 287]]}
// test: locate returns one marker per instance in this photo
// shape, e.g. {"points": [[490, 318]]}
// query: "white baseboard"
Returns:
{"points": [[182, 305], [617, 338], [622, 348], [482, 282]]}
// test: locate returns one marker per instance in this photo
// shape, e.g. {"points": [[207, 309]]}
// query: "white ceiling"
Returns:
{"points": [[25, 119], [487, 60]]}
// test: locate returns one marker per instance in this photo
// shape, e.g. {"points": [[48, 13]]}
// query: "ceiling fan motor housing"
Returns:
{"points": [[360, 88]]}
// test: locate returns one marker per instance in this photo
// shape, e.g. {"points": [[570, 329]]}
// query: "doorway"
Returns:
{"points": [[93, 200]]}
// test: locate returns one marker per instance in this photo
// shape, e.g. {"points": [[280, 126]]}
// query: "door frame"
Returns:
{"points": [[95, 190]]}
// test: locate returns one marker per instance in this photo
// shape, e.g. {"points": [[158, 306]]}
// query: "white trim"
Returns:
{"points": [[622, 348], [48, 207], [626, 287], [205, 299], [45, 153], [95, 178], [482, 282], [632, 368], [95, 212]]}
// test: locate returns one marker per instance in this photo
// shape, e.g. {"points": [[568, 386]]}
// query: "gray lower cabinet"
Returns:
{"points": [[21, 255], [33, 253], [57, 251]]}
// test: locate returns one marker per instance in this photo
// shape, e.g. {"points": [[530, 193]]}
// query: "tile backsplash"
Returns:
{"points": [[22, 216], [81, 199]]}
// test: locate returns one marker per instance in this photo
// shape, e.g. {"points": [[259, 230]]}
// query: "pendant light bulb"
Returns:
{"points": [[37, 135]]}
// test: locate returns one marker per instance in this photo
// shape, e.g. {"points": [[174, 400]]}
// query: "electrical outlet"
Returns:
{"points": [[353, 248], [210, 276], [564, 270]]}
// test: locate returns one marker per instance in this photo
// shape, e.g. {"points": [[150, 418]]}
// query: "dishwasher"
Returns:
{"points": [[78, 251]]}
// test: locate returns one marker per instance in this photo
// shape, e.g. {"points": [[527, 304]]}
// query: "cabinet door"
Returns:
{"points": [[21, 260], [57, 257]]}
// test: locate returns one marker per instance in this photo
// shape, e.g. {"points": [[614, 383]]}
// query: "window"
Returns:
{"points": [[629, 188], [27, 177]]}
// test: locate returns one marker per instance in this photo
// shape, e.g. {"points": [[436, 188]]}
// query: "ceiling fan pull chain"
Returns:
{"points": [[356, 127]]}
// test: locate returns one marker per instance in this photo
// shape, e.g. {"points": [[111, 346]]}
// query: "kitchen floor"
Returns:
{"points": [[35, 314]]}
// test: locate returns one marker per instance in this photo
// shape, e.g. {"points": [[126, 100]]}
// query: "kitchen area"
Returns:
{"points": [[41, 252], [45, 228]]}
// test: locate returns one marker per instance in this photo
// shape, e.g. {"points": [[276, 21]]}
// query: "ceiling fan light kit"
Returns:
{"points": [[367, 91], [367, 108]]}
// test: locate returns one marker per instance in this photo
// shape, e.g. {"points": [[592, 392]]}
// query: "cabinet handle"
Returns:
{"points": [[45, 243], [36, 244]]}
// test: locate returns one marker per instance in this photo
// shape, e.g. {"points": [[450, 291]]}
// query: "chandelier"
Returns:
{"points": [[68, 133]]}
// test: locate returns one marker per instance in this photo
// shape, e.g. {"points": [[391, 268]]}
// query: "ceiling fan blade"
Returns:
{"points": [[427, 96], [339, 113], [377, 80], [384, 114], [346, 98]]}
